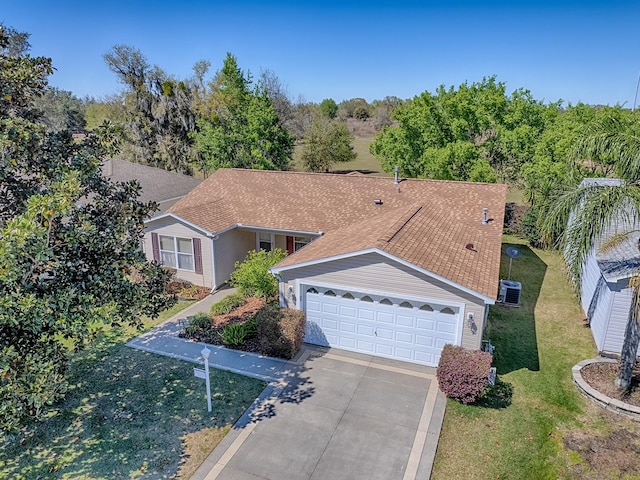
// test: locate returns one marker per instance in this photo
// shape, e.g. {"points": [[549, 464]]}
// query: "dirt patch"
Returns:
{"points": [[613, 453], [601, 376]]}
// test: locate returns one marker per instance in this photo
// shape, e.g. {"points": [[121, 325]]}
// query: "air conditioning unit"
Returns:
{"points": [[509, 292]]}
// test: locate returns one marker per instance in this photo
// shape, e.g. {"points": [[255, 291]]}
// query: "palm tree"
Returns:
{"points": [[580, 217]]}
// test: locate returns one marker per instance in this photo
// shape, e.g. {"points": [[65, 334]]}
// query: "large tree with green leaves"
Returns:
{"points": [[583, 216], [70, 256], [325, 144], [240, 127], [492, 131], [159, 112]]}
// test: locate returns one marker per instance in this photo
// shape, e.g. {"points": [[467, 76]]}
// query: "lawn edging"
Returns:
{"points": [[598, 398]]}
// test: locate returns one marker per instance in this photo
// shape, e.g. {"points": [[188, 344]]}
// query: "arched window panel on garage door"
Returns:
{"points": [[312, 290], [367, 299], [448, 311], [406, 305], [426, 307], [348, 296], [330, 293], [386, 301]]}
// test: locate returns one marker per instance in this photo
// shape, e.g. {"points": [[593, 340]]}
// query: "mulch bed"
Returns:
{"points": [[240, 315], [187, 291], [601, 377]]}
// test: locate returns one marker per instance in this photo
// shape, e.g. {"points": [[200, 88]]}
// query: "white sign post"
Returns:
{"points": [[205, 354]]}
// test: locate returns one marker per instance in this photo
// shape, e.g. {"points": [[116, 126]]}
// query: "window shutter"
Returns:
{"points": [[289, 245], [197, 255], [156, 247]]}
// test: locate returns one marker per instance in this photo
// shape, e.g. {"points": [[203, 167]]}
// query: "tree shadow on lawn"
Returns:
{"points": [[512, 330], [126, 415]]}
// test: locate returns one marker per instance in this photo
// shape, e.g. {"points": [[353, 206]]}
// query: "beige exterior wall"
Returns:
{"points": [[281, 242], [173, 228], [229, 248], [376, 273]]}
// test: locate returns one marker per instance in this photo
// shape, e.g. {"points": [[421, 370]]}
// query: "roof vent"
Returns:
{"points": [[395, 175], [485, 212], [377, 201]]}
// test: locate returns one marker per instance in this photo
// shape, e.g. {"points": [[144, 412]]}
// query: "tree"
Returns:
{"points": [[592, 210], [242, 129], [500, 128], [110, 108], [61, 110], [329, 108], [325, 144], [160, 114], [70, 255]]}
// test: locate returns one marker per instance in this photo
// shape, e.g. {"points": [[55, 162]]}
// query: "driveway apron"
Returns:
{"points": [[336, 415]]}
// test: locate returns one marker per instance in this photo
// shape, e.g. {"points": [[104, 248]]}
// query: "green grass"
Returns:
{"points": [[536, 346], [128, 414], [364, 162]]}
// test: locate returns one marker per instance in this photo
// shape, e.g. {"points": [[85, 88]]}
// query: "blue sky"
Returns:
{"points": [[575, 51]]}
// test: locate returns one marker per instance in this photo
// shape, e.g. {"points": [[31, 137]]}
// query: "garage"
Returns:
{"points": [[404, 329]]}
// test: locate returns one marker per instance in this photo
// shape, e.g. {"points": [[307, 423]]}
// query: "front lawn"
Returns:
{"points": [[128, 414], [549, 431]]}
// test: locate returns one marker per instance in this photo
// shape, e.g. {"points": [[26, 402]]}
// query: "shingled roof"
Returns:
{"points": [[435, 225], [156, 185]]}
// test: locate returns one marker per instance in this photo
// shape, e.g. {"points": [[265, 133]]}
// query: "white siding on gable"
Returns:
{"points": [[173, 228], [231, 247], [375, 273]]}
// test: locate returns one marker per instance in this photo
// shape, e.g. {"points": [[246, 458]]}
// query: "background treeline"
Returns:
{"points": [[229, 118]]}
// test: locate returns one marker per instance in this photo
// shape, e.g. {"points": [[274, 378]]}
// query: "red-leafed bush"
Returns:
{"points": [[462, 374]]}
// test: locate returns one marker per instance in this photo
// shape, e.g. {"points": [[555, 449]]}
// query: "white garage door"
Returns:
{"points": [[390, 327]]}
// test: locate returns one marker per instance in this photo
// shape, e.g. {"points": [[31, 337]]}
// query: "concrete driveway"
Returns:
{"points": [[336, 415]]}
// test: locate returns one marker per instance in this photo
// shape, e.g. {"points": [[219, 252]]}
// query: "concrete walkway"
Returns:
{"points": [[327, 414], [163, 340]]}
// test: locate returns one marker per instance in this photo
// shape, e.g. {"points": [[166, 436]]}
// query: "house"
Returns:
{"points": [[391, 269], [605, 294], [157, 185]]}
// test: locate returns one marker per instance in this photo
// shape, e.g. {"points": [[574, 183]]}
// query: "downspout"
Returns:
{"points": [[213, 262]]}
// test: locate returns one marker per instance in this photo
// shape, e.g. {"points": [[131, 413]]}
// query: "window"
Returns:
{"points": [[386, 301], [177, 253], [406, 305], [330, 293], [265, 241], [367, 299], [426, 307], [312, 290], [448, 311], [348, 296], [299, 242]]}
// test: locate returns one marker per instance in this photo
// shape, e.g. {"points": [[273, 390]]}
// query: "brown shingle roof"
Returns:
{"points": [[427, 223]]}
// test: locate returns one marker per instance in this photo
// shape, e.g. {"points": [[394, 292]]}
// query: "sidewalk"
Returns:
{"points": [[163, 340]]}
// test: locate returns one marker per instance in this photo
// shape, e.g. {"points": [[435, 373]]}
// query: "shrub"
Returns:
{"points": [[462, 374], [198, 325], [228, 304], [529, 227], [235, 334], [280, 330], [252, 276], [496, 396]]}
